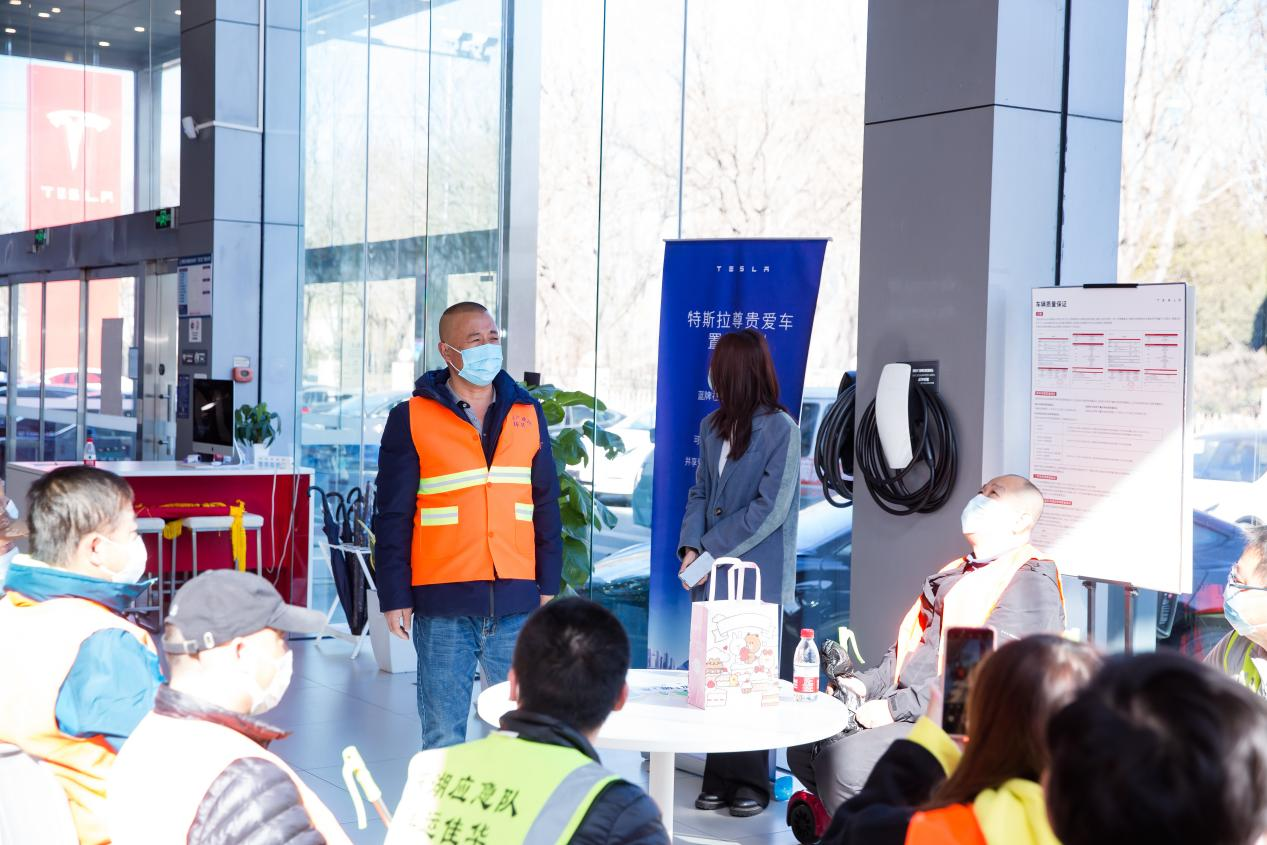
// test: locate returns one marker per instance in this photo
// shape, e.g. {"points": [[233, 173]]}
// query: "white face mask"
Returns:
{"points": [[263, 700], [134, 569], [992, 525], [11, 509]]}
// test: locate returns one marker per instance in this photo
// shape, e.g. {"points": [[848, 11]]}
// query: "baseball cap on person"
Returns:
{"points": [[217, 607]]}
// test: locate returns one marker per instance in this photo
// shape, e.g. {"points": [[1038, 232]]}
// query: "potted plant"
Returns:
{"points": [[256, 427], [581, 511]]}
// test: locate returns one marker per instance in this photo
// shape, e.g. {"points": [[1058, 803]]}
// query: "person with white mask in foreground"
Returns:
{"points": [[197, 769], [78, 676], [1004, 583], [1242, 653]]}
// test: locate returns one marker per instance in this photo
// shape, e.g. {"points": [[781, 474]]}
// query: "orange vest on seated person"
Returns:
{"points": [[41, 641], [473, 521], [953, 825], [970, 601], [165, 769]]}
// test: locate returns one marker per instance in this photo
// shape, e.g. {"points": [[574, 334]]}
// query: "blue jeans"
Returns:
{"points": [[448, 648]]}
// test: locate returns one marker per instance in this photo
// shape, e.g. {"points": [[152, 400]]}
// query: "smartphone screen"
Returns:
{"points": [[965, 648]]}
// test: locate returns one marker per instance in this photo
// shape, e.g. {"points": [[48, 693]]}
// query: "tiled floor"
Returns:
{"points": [[334, 702]]}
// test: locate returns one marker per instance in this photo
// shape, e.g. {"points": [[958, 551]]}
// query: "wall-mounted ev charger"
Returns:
{"points": [[904, 446], [893, 414]]}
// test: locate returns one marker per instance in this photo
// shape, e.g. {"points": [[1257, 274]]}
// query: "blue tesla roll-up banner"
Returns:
{"points": [[710, 288]]}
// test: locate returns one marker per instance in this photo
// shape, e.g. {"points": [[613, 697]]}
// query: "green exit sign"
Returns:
{"points": [[41, 238], [164, 218]]}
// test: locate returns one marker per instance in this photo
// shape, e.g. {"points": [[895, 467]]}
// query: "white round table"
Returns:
{"points": [[658, 720]]}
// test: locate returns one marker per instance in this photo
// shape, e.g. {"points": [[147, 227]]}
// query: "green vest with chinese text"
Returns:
{"points": [[496, 791]]}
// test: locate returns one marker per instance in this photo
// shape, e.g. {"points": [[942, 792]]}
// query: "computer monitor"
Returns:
{"points": [[211, 410]]}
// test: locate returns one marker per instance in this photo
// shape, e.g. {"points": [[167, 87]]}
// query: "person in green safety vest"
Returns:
{"points": [[538, 780], [1242, 653]]}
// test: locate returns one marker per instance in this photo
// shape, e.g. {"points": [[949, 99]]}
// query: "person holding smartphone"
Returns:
{"points": [[930, 788], [743, 505]]}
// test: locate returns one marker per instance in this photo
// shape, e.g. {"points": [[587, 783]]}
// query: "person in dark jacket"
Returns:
{"points": [[197, 770], [1159, 750], [1014, 693], [468, 533], [539, 773], [1004, 583]]}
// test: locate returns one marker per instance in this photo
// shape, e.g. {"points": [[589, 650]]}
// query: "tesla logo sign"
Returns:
{"points": [[73, 124], [79, 121]]}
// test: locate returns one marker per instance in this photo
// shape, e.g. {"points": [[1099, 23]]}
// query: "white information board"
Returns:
{"points": [[193, 286], [1110, 387]]}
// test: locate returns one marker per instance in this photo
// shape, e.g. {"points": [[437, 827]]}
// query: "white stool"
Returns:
{"points": [[153, 525], [250, 521]]}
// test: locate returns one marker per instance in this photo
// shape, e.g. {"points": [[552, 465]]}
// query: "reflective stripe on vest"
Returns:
{"points": [[501, 788], [473, 521], [51, 633], [953, 825], [164, 770], [1245, 673], [970, 601]]}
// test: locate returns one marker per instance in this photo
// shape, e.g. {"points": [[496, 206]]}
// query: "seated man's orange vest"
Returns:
{"points": [[473, 521]]}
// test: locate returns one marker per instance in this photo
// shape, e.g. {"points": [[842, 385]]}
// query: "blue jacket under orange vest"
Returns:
{"points": [[397, 497]]}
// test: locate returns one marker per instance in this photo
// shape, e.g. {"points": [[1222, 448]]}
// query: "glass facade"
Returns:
{"points": [[402, 185], [70, 359], [1193, 210], [89, 110], [656, 120]]}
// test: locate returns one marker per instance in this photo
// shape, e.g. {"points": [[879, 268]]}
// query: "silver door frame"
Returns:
{"points": [[151, 323]]}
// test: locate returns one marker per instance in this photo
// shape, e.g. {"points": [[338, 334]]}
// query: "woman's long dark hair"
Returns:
{"points": [[743, 377], [1014, 693]]}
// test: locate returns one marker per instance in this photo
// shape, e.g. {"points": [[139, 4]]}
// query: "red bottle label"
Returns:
{"points": [[805, 684]]}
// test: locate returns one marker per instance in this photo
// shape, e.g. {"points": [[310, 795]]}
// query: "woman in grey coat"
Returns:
{"points": [[743, 505]]}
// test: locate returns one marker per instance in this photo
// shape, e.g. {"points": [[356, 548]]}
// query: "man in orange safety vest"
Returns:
{"points": [[468, 533]]}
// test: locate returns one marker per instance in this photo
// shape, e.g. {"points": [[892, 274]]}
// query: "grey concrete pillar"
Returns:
{"points": [[964, 210], [241, 184]]}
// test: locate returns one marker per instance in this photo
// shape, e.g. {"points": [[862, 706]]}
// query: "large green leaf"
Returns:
{"points": [[603, 517], [553, 411], [575, 398], [576, 563], [571, 448], [603, 439]]}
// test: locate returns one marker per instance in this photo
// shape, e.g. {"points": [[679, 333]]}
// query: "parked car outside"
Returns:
{"points": [[1193, 623], [823, 554], [1229, 475]]}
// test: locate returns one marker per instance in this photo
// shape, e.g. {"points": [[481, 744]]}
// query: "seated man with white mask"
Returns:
{"points": [[1004, 583], [197, 769]]}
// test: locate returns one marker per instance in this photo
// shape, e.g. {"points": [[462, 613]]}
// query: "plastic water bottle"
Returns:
{"points": [[90, 454], [805, 667]]}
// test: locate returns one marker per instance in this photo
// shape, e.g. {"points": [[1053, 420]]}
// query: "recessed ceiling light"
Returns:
{"points": [[103, 43], [138, 29], [178, 13], [15, 2], [8, 30], [56, 10], [43, 15]]}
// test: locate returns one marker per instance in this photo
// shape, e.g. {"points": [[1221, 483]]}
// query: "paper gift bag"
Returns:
{"points": [[734, 657]]}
